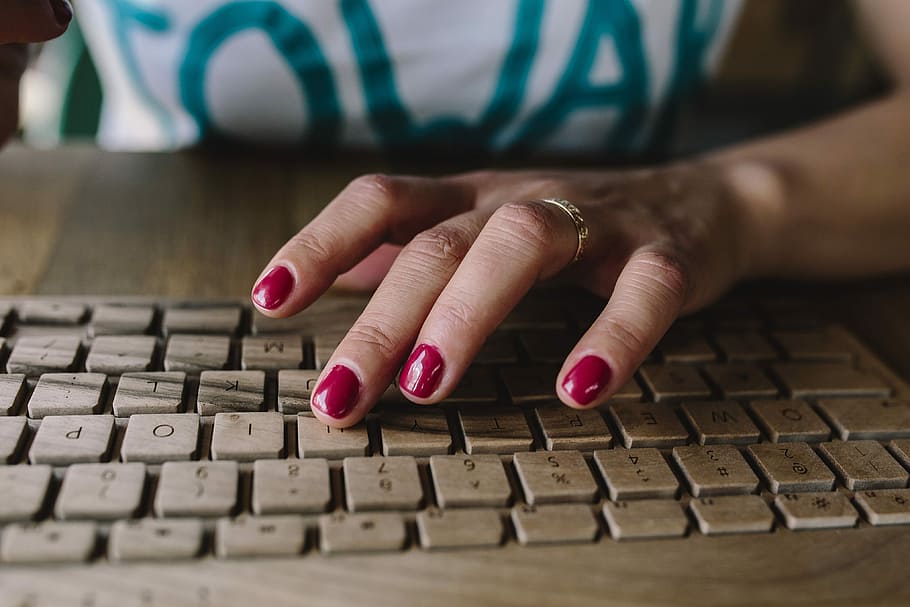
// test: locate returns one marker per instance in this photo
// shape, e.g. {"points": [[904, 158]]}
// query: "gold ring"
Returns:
{"points": [[575, 215]]}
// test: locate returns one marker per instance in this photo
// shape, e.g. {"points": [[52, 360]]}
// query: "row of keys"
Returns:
{"points": [[406, 430], [189, 488], [286, 535]]}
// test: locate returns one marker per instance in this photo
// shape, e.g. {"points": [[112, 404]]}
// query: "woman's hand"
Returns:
{"points": [[21, 22], [661, 242]]}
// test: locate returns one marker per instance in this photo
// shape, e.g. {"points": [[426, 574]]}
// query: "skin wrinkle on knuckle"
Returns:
{"points": [[530, 221], [441, 246], [629, 337], [666, 272], [317, 249], [375, 335], [456, 315]]}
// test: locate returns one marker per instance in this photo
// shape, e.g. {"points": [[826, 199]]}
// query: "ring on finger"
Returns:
{"points": [[575, 215]]}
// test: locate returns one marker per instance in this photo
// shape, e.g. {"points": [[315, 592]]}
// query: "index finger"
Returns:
{"points": [[372, 210]]}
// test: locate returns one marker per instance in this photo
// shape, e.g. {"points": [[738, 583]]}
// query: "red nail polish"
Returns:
{"points": [[421, 373], [274, 288], [337, 393], [63, 12], [587, 379]]}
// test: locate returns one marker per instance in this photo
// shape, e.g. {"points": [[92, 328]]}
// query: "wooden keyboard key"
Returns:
{"points": [[554, 523], [645, 519], [636, 473], [866, 418], [246, 437], [361, 532], [160, 437], [67, 394], [195, 353], [814, 344], [12, 437], [291, 486], [12, 393], [864, 464], [209, 321], [414, 430], [722, 422], [154, 392], [294, 390], [101, 491], [565, 428], [250, 536], [324, 345], [547, 346], [629, 392], [51, 313], [230, 391], [498, 349], [469, 480], [121, 320], [673, 382], [494, 430], [530, 384], [732, 514], [34, 355], [24, 489], [197, 489], [791, 468], [477, 385], [116, 354], [789, 421], [685, 347], [715, 470], [469, 528], [885, 506], [72, 439], [741, 381], [901, 450], [555, 477], [382, 483], [807, 380], [150, 539], [315, 439], [816, 510], [271, 353], [744, 346], [48, 542], [648, 425]]}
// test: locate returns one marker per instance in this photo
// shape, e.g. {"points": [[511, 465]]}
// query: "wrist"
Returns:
{"points": [[757, 189]]}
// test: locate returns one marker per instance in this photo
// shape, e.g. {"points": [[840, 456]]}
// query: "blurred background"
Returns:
{"points": [[788, 61]]}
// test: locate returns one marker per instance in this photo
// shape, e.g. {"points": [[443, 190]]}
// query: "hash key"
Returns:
{"points": [[715, 469]]}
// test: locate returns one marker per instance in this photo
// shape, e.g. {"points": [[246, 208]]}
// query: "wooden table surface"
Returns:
{"points": [[77, 220]]}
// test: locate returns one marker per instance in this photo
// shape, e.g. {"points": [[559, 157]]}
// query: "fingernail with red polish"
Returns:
{"points": [[274, 288], [337, 393], [421, 373], [63, 12], [587, 379]]}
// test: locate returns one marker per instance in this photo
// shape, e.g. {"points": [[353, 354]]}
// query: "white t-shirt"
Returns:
{"points": [[491, 75]]}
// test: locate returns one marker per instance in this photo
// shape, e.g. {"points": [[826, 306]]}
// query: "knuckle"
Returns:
{"points": [[457, 315], [530, 222], [375, 189], [374, 335], [668, 271], [445, 245], [317, 248], [630, 337]]}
